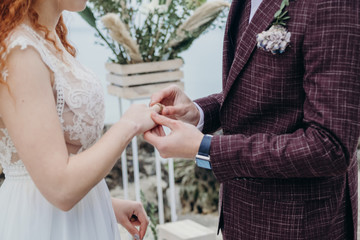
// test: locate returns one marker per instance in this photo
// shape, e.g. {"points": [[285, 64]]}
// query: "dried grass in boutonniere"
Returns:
{"points": [[277, 37]]}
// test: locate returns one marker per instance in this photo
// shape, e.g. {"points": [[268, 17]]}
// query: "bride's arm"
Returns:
{"points": [[27, 107]]}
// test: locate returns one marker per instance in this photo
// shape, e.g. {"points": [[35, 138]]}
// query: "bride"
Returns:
{"points": [[51, 120]]}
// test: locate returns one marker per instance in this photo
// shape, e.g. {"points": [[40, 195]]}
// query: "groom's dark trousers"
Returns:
{"points": [[291, 122]]}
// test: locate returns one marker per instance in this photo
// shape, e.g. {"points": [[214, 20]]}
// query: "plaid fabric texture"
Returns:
{"points": [[291, 123]]}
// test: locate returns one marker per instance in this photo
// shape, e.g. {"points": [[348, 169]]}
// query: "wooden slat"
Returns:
{"points": [[185, 230], [143, 91], [134, 80], [123, 69]]}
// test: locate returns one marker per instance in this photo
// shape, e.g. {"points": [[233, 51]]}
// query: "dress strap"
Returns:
{"points": [[24, 37]]}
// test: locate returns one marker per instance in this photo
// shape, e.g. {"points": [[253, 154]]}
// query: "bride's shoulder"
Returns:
{"points": [[23, 54], [24, 64], [22, 36]]}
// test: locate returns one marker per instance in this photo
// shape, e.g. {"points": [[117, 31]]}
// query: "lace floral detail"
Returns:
{"points": [[60, 101], [12, 169], [7, 149], [63, 61], [5, 74], [79, 95]]}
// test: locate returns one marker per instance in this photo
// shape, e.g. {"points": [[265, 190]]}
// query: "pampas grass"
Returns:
{"points": [[120, 33], [198, 22], [153, 30]]}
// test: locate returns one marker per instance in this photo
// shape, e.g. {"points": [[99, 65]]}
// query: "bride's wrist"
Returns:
{"points": [[131, 127]]}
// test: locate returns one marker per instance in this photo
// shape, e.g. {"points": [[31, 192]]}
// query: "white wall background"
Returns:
{"points": [[202, 68]]}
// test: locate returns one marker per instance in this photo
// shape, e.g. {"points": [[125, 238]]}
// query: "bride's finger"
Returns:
{"points": [[158, 107], [144, 222], [127, 224]]}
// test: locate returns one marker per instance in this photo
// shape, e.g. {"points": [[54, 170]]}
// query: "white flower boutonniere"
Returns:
{"points": [[276, 38]]}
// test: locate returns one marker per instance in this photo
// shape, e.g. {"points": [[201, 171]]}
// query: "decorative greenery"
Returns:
{"points": [[151, 211], [280, 17], [159, 30], [199, 189]]}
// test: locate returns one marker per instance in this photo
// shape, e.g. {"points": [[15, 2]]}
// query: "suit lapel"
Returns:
{"points": [[235, 9], [245, 46]]}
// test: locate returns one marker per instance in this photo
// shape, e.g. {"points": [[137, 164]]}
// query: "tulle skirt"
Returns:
{"points": [[26, 215]]}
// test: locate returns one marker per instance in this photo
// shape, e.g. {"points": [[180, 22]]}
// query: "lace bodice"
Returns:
{"points": [[78, 93]]}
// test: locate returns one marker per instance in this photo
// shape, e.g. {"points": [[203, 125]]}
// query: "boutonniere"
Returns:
{"points": [[277, 37]]}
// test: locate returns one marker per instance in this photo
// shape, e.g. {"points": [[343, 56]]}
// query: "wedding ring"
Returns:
{"points": [[160, 106]]}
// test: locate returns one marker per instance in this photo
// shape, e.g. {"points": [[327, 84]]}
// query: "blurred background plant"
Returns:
{"points": [[151, 211], [199, 189], [141, 31]]}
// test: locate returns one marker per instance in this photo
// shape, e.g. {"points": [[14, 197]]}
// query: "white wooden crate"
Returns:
{"points": [[142, 91], [185, 230], [141, 80]]}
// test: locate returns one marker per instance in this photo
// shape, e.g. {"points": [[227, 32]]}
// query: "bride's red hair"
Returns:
{"points": [[13, 13]]}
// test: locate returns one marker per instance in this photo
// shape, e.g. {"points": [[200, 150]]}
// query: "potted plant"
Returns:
{"points": [[147, 38]]}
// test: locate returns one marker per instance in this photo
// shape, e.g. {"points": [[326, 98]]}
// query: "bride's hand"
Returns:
{"points": [[139, 114], [124, 211]]}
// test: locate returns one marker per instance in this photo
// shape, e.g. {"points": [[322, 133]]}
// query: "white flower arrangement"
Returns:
{"points": [[152, 30], [277, 37], [153, 6]]}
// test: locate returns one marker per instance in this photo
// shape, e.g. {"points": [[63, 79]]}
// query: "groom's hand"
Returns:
{"points": [[183, 141], [176, 105]]}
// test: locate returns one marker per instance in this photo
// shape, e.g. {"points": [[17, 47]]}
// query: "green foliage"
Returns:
{"points": [[152, 30], [280, 17], [89, 17], [199, 189], [151, 211]]}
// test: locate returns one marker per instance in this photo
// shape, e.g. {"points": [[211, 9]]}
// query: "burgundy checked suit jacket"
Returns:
{"points": [[291, 122]]}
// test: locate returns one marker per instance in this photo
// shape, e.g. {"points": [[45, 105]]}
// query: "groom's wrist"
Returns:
{"points": [[199, 117], [202, 158]]}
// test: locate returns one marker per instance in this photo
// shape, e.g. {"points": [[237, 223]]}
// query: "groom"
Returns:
{"points": [[291, 121]]}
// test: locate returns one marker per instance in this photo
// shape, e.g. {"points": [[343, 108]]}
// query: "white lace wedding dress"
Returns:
{"points": [[24, 213]]}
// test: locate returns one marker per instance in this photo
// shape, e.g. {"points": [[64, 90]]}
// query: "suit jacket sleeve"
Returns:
{"points": [[327, 139], [211, 107]]}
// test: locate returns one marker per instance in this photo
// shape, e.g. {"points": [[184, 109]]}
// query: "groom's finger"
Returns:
{"points": [[164, 121], [163, 94], [170, 110], [158, 130], [152, 138]]}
